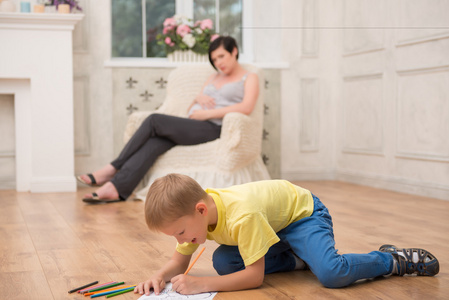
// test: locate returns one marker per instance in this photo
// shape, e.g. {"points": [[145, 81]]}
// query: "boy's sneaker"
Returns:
{"points": [[412, 260]]}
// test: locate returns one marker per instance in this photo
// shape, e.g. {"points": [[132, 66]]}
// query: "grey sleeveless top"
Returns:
{"points": [[229, 94]]}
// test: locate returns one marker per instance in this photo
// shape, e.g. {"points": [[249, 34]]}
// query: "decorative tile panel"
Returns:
{"points": [[135, 89], [271, 132]]}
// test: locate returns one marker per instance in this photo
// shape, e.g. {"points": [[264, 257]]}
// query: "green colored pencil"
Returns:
{"points": [[106, 286], [121, 292]]}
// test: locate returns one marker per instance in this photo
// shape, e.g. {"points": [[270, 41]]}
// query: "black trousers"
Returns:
{"points": [[157, 134]]}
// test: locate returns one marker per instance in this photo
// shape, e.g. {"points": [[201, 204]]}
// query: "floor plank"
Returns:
{"points": [[25, 285], [53, 242]]}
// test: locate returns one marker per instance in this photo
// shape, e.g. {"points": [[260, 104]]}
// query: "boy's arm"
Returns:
{"points": [[176, 265], [251, 277]]}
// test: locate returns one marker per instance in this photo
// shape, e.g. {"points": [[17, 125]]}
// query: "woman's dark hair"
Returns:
{"points": [[228, 44]]}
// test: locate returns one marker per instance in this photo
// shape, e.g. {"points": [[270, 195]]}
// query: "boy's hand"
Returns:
{"points": [[187, 285], [156, 283]]}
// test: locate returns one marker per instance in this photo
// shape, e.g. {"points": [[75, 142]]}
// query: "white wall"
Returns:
{"points": [[309, 89], [370, 85], [93, 88]]}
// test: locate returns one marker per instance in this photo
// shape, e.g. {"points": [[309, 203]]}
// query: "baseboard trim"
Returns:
{"points": [[309, 175], [392, 183], [8, 185], [397, 184]]}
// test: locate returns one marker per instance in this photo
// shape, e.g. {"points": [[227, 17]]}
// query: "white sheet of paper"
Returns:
{"points": [[168, 293]]}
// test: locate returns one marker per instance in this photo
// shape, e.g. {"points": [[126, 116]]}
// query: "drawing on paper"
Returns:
{"points": [[168, 293]]}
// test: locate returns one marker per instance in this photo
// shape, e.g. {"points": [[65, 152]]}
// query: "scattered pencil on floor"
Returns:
{"points": [[106, 286], [95, 286], [108, 291], [82, 287], [121, 292]]}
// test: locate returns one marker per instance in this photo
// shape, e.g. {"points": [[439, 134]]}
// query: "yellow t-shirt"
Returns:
{"points": [[250, 215]]}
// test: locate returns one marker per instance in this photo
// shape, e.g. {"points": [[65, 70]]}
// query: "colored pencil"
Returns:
{"points": [[82, 287], [194, 261], [110, 292], [106, 286], [121, 292], [92, 287]]}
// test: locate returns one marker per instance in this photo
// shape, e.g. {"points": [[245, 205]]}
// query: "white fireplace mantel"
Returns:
{"points": [[39, 21], [36, 66]]}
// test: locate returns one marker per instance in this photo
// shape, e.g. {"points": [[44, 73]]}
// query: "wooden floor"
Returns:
{"points": [[50, 243]]}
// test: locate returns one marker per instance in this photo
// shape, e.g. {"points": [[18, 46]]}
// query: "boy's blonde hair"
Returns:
{"points": [[170, 198]]}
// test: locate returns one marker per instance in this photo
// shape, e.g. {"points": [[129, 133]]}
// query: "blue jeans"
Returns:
{"points": [[312, 239]]}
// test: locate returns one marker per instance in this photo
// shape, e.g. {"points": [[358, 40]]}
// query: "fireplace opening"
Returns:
{"points": [[7, 142]]}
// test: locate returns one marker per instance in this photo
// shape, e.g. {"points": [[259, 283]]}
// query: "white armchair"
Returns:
{"points": [[234, 158]]}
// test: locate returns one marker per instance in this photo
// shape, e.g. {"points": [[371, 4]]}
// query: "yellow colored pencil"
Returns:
{"points": [[194, 261]]}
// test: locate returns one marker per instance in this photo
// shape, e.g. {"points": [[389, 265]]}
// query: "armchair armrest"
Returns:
{"points": [[134, 122], [240, 141]]}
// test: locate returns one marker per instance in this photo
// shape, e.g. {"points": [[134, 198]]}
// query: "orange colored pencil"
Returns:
{"points": [[194, 261]]}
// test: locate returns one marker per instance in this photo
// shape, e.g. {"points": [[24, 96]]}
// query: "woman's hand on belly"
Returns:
{"points": [[205, 101]]}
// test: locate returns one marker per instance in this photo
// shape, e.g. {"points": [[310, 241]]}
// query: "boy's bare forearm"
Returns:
{"points": [[176, 265], [232, 282], [249, 278], [170, 269]]}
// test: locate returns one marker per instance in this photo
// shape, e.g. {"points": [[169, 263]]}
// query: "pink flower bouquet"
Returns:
{"points": [[177, 34]]}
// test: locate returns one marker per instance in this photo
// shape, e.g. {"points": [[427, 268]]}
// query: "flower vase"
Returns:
{"points": [[187, 56]]}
